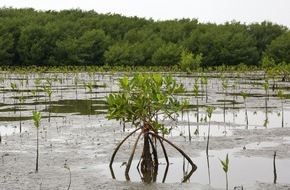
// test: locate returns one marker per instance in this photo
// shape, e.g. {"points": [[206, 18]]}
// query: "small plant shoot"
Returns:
{"points": [[36, 116], [225, 164]]}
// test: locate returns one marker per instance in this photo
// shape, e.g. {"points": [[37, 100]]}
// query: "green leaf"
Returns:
{"points": [[124, 82], [225, 163], [158, 79], [280, 94], [209, 110], [36, 116]]}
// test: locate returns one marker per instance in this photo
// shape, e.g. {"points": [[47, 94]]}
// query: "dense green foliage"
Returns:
{"points": [[76, 37], [152, 92]]}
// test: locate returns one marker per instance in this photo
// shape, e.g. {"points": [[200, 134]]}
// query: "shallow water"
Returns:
{"points": [[243, 171], [70, 99]]}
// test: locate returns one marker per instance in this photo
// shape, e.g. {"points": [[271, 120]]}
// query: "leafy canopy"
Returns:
{"points": [[143, 98]]}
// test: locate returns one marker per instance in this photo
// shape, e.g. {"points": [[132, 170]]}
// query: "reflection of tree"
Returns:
{"points": [[76, 106]]}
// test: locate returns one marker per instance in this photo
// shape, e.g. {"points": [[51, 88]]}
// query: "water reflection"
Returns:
{"points": [[245, 171], [82, 107]]}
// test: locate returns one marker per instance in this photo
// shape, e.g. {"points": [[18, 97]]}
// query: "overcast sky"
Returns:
{"points": [[217, 11]]}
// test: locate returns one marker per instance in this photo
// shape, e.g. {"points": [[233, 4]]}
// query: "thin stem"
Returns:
{"points": [[37, 149], [274, 165], [227, 182], [207, 157]]}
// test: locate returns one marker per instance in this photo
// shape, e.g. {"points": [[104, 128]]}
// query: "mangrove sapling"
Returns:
{"points": [[141, 101], [206, 88], [48, 92], [209, 110], [33, 92], [204, 82], [281, 97], [273, 73], [89, 85], [76, 85], [188, 125], [36, 116], [60, 80], [66, 166], [225, 85], [266, 88], [244, 95], [2, 80], [195, 92], [36, 83], [14, 89], [21, 100], [234, 88], [225, 164]]}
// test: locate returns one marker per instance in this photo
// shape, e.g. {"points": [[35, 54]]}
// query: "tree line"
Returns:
{"points": [[87, 38]]}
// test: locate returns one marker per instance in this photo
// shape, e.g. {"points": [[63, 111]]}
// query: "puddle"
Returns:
{"points": [[260, 118], [82, 107], [259, 145], [286, 140], [201, 131], [196, 132], [232, 118], [14, 118], [243, 171]]}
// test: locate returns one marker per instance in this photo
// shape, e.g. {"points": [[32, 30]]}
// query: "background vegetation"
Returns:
{"points": [[75, 37]]}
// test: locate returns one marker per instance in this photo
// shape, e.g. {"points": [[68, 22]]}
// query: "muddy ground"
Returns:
{"points": [[85, 142]]}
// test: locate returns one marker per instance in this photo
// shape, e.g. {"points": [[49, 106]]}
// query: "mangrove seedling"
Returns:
{"points": [[203, 82], [48, 91], [225, 164], [195, 92], [36, 83], [21, 100], [36, 116], [89, 85], [60, 80], [2, 79], [209, 110], [145, 100], [33, 92], [266, 88], [14, 89], [76, 81], [244, 95], [225, 85], [66, 166], [281, 97]]}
